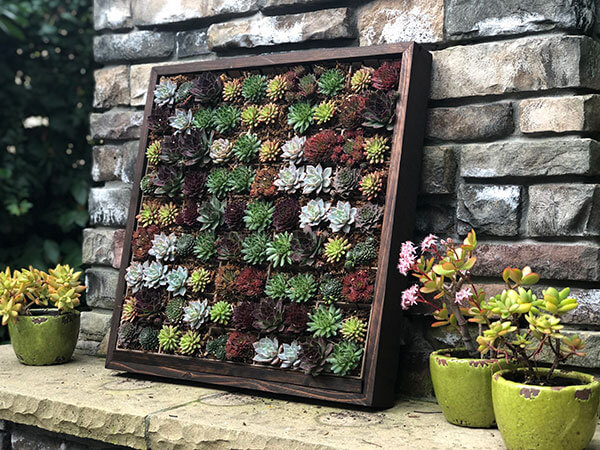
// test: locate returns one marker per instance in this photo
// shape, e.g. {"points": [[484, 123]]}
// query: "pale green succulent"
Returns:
{"points": [[314, 213], [277, 87], [302, 288], [324, 112], [301, 116], [199, 280], [344, 358], [241, 179], [168, 338], [205, 247], [354, 329], [254, 248], [317, 180], [277, 286], [289, 179], [279, 250], [331, 82], [259, 215], [289, 355], [164, 94], [220, 151], [153, 152], [177, 281], [341, 217], [134, 276], [325, 321], [163, 247], [267, 350], [336, 248], [361, 79], [375, 148], [196, 314], [190, 342], [246, 147], [293, 150], [155, 274], [221, 312], [182, 121], [251, 116]]}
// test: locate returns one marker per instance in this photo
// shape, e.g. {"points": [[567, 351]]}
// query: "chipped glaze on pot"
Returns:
{"points": [[546, 417], [45, 338], [462, 387]]}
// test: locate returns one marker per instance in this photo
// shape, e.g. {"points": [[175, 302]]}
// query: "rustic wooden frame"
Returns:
{"points": [[376, 387]]}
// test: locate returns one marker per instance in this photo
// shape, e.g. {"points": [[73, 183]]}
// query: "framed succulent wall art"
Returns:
{"points": [[271, 195]]}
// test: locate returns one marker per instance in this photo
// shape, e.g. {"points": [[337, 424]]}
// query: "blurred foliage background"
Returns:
{"points": [[46, 74]]}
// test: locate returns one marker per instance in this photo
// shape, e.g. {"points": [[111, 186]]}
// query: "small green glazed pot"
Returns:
{"points": [[462, 387], [546, 417], [45, 337]]}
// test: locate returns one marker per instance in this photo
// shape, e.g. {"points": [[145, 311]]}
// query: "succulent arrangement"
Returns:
{"points": [[259, 227]]}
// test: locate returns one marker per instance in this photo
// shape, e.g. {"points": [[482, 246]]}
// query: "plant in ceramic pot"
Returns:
{"points": [[39, 309], [526, 400], [461, 377]]}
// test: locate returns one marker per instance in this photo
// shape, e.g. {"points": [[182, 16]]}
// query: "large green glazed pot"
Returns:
{"points": [[44, 338], [546, 417], [462, 387]]}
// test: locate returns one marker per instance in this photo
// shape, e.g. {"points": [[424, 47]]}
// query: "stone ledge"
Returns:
{"points": [[95, 403]]}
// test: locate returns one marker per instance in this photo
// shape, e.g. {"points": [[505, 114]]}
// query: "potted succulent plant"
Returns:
{"points": [[39, 309], [461, 377], [526, 400]]}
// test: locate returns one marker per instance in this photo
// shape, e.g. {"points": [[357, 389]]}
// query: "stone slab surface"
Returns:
{"points": [[85, 400]]}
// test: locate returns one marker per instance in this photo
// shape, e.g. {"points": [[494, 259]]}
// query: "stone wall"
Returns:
{"points": [[511, 147]]}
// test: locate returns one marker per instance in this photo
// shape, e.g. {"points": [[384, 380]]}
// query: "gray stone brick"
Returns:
{"points": [[489, 209], [268, 5], [435, 217], [537, 158], [592, 349], [101, 285], [588, 311], [109, 205], [99, 246], [94, 325], [112, 87], [471, 122], [192, 43], [116, 124], [137, 45], [560, 114], [438, 175], [114, 162], [564, 210], [112, 14], [389, 21], [471, 18], [526, 64], [259, 31]]}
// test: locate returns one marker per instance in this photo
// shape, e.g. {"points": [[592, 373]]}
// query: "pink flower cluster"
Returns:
{"points": [[408, 256], [410, 296], [463, 295], [429, 243]]}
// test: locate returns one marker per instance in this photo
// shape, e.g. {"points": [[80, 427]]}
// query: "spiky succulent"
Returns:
{"points": [[158, 121], [345, 181], [199, 280], [380, 110], [177, 281], [254, 248], [344, 358], [358, 286], [324, 111], [330, 289], [331, 82], [168, 180], [147, 183], [293, 150], [220, 151], [155, 274], [341, 217], [148, 338], [219, 182], [375, 149], [371, 184], [263, 185], [316, 180], [229, 247], [277, 286], [234, 214], [351, 108], [168, 338], [148, 302], [307, 85], [251, 116], [286, 215], [221, 312], [134, 276], [314, 354], [167, 214], [232, 90], [190, 343], [321, 147], [141, 242], [301, 288], [226, 118], [163, 247], [241, 179], [354, 329], [181, 121], [295, 318], [153, 152], [267, 350], [196, 314], [210, 214], [368, 216], [185, 245], [204, 247], [189, 215], [336, 248], [361, 254], [194, 183], [325, 321], [289, 179], [183, 91], [386, 76], [207, 87], [174, 309], [259, 215], [268, 113], [204, 119], [254, 88], [226, 279], [361, 79], [128, 332], [269, 316], [279, 250], [289, 355], [239, 346], [216, 347], [277, 87], [251, 282], [243, 316], [129, 309], [246, 147], [314, 213], [268, 151], [164, 94], [301, 116]]}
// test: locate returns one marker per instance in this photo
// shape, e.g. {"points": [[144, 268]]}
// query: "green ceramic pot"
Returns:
{"points": [[462, 387], [45, 337], [545, 417]]}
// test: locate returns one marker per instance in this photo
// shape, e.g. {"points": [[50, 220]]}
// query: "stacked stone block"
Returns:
{"points": [[512, 136]]}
